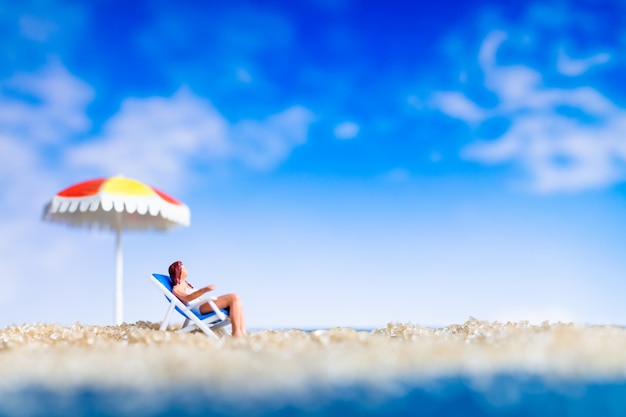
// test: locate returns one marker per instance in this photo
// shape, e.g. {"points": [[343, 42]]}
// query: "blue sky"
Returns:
{"points": [[347, 163]]}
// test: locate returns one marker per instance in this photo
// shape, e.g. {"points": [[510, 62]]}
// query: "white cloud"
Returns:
{"points": [[574, 67], [457, 105], [262, 145], [157, 137], [489, 49], [346, 130], [516, 86], [16, 155], [53, 113], [153, 138], [558, 153], [547, 137], [56, 107]]}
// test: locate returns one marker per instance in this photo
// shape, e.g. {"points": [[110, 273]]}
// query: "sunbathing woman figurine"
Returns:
{"points": [[186, 293]]}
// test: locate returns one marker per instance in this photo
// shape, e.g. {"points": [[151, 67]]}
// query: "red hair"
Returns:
{"points": [[175, 271]]}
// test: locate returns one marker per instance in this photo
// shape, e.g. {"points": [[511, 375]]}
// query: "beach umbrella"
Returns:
{"points": [[116, 203]]}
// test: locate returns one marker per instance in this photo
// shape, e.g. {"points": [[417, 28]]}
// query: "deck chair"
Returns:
{"points": [[208, 323]]}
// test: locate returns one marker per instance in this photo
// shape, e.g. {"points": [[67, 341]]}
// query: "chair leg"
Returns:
{"points": [[166, 319]]}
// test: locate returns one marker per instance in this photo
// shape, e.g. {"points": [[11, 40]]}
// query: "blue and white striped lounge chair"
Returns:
{"points": [[207, 323]]}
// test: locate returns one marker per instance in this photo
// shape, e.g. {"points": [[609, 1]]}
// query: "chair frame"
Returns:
{"points": [[207, 323]]}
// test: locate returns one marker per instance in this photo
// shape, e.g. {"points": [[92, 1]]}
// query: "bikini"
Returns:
{"points": [[196, 307]]}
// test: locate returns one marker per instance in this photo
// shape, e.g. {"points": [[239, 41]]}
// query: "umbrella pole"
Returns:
{"points": [[118, 275]]}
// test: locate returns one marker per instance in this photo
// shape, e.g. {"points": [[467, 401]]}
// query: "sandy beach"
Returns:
{"points": [[140, 356]]}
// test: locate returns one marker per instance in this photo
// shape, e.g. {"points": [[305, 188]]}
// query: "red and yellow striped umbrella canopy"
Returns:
{"points": [[117, 203]]}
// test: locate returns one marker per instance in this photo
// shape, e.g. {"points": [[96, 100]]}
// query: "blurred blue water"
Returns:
{"points": [[502, 395]]}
